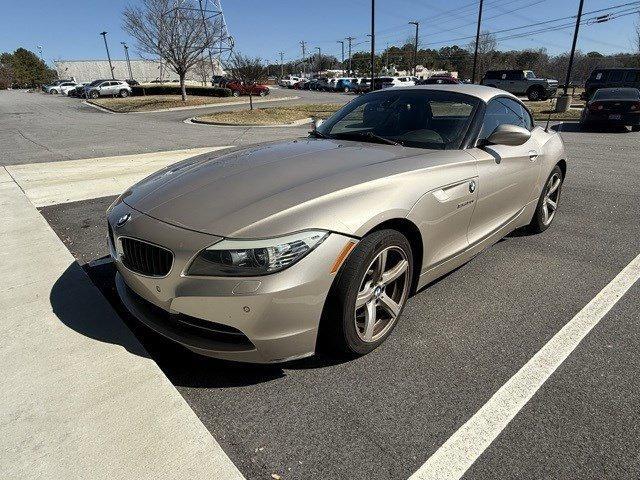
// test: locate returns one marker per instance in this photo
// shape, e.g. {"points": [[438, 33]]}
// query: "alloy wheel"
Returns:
{"points": [[382, 294], [551, 198]]}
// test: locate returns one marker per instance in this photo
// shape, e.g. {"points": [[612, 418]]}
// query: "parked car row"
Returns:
{"points": [[360, 84], [612, 107], [95, 89]]}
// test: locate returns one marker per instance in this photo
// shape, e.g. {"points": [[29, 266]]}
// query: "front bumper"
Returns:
{"points": [[266, 319]]}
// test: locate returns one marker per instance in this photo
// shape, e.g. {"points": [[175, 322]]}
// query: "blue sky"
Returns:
{"points": [[69, 29]]}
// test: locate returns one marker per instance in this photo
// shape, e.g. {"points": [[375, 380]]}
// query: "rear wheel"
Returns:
{"points": [[369, 294], [635, 128], [53, 91], [548, 202], [535, 93], [94, 94], [262, 93], [235, 93], [124, 93]]}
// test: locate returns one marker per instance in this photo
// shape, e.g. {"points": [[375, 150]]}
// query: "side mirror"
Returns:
{"points": [[511, 135], [317, 122]]}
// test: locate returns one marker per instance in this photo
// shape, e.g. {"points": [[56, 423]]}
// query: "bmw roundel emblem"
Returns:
{"points": [[123, 219]]}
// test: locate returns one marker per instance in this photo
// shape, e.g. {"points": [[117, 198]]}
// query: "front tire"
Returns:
{"points": [[235, 93], [94, 94], [548, 202], [635, 128], [369, 293], [124, 93]]}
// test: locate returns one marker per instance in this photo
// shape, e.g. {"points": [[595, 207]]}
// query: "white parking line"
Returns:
{"points": [[457, 454], [73, 180]]}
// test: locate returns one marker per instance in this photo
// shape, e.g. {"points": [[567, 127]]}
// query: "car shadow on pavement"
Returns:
{"points": [[574, 127], [76, 303]]}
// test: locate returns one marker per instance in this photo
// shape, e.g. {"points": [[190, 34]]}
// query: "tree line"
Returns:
{"points": [[460, 59]]}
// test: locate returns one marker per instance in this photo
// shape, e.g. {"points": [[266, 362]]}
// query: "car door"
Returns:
{"points": [[506, 174]]}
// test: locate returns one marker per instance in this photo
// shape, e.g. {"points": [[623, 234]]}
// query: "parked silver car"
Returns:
{"points": [[521, 82], [266, 253], [108, 88]]}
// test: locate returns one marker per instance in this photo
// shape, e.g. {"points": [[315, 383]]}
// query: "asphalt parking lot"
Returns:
{"points": [[460, 339]]}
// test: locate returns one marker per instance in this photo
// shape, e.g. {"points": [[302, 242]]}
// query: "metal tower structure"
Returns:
{"points": [[212, 14]]}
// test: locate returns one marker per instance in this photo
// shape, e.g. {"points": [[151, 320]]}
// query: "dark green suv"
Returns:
{"points": [[611, 78]]}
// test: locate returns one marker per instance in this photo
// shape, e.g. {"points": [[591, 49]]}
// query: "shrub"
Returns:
{"points": [[175, 90]]}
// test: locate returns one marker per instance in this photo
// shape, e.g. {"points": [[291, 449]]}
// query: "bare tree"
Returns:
{"points": [[202, 69], [173, 30], [486, 46], [249, 71]]}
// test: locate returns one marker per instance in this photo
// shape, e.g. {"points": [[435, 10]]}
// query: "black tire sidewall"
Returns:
{"points": [[346, 286], [537, 225]]}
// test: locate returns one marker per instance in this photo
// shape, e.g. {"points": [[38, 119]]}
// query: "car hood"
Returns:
{"points": [[225, 195]]}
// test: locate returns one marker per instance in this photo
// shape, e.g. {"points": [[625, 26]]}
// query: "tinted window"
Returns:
{"points": [[615, 75], [501, 111], [415, 118], [632, 76], [514, 75], [617, 93], [492, 75]]}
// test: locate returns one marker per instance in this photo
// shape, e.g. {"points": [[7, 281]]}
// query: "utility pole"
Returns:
{"points": [[573, 46], [39, 47], [104, 36], [126, 55], [415, 47], [281, 64], [350, 39], [341, 42], [319, 56], [373, 43], [303, 44], [475, 53]]}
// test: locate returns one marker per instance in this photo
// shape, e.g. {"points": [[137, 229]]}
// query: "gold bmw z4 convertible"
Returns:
{"points": [[270, 253]]}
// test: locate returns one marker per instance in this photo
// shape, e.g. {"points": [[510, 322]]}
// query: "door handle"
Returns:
{"points": [[533, 155]]}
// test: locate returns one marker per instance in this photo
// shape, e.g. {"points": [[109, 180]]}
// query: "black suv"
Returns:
{"points": [[611, 78]]}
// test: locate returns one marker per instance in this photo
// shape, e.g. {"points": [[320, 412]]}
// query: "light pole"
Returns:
{"points": [[319, 57], [281, 64], [415, 47], [475, 53], [104, 36], [341, 42], [126, 55], [303, 44], [39, 47], [350, 39], [373, 43]]}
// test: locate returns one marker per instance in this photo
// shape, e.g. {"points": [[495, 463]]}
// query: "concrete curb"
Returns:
{"points": [[81, 396], [195, 107], [297, 123]]}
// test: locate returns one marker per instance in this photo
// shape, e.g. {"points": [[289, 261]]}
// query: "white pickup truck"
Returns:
{"points": [[289, 81]]}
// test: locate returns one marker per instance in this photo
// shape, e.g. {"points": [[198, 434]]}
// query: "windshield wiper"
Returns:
{"points": [[317, 134], [368, 136]]}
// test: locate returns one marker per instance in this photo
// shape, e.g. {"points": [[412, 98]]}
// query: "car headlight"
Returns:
{"points": [[248, 258]]}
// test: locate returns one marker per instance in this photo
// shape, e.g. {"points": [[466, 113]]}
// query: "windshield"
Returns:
{"points": [[419, 118], [616, 94], [529, 74]]}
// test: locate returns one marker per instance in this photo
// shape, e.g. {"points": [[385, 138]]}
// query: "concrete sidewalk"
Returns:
{"points": [[80, 396]]}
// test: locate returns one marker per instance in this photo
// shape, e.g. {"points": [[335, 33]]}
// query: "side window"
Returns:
{"points": [[631, 76], [504, 111], [615, 76], [514, 76]]}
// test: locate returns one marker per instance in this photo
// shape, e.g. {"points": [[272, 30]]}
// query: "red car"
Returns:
{"points": [[239, 88]]}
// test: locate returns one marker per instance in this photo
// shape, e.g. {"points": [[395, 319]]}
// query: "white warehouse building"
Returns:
{"points": [[143, 70]]}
